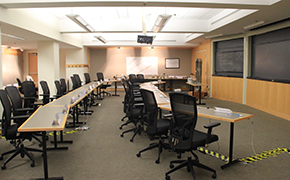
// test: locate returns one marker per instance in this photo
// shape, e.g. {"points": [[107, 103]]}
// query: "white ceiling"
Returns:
{"points": [[120, 22]]}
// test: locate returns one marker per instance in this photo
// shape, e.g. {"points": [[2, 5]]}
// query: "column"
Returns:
{"points": [[48, 64]]}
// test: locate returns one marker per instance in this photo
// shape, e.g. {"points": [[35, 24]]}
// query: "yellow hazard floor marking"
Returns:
{"points": [[257, 157]]}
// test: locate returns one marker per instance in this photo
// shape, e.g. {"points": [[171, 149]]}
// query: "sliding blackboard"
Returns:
{"points": [[271, 56], [229, 57]]}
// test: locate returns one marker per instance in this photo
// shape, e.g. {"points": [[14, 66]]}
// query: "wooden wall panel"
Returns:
{"points": [[227, 88], [271, 97]]}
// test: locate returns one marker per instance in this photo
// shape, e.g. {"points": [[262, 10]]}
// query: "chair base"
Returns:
{"points": [[22, 151], [189, 163], [137, 130], [160, 145]]}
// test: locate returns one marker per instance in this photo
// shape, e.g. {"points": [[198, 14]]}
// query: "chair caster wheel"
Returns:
{"points": [[138, 155], [32, 164], [122, 135], [1, 158], [171, 166], [3, 167], [131, 140], [120, 127], [213, 176], [167, 177], [40, 145], [179, 156], [157, 161]]}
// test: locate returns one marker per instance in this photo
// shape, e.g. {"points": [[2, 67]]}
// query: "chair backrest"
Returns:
{"points": [[77, 80], [124, 82], [87, 78], [15, 98], [140, 78], [59, 90], [63, 84], [19, 84], [6, 116], [184, 118], [74, 82], [100, 76], [46, 92], [29, 91], [151, 111]]}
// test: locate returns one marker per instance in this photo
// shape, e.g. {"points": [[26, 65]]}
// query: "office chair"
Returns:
{"points": [[30, 95], [19, 84], [134, 113], [140, 78], [59, 90], [63, 85], [100, 77], [133, 79], [46, 92], [75, 82], [183, 135], [152, 125], [78, 80], [129, 98], [92, 95], [18, 109], [87, 78], [9, 131]]}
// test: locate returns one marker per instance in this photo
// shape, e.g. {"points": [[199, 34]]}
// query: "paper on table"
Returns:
{"points": [[224, 110]]}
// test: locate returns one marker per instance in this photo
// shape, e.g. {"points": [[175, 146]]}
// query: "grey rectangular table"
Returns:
{"points": [[52, 117]]}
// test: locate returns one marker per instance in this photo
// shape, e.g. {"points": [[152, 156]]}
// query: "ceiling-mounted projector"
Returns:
{"points": [[145, 39]]}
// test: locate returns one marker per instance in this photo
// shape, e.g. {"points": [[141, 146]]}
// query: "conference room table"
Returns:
{"points": [[199, 85], [53, 116], [163, 103]]}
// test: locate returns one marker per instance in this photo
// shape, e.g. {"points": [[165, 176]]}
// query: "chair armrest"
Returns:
{"points": [[24, 109], [212, 125], [167, 115], [20, 116], [209, 127]]}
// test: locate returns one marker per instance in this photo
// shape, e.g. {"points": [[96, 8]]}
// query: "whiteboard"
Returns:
{"points": [[142, 65]]}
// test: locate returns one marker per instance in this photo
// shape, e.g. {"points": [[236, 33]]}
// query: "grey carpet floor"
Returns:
{"points": [[100, 152]]}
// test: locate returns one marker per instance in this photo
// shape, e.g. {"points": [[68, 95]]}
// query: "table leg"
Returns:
{"points": [[115, 90], [231, 161], [199, 101], [45, 168], [55, 143]]}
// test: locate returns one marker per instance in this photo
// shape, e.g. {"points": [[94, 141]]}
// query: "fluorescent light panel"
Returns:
{"points": [[12, 36], [160, 22], [254, 25], [81, 22], [101, 38], [213, 36]]}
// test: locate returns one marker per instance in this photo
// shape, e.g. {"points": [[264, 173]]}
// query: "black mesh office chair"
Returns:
{"points": [[59, 90], [18, 109], [9, 131], [78, 80], [46, 92], [152, 125], [30, 95], [19, 84], [100, 77], [140, 78], [63, 85], [87, 78], [183, 135], [134, 112]]}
